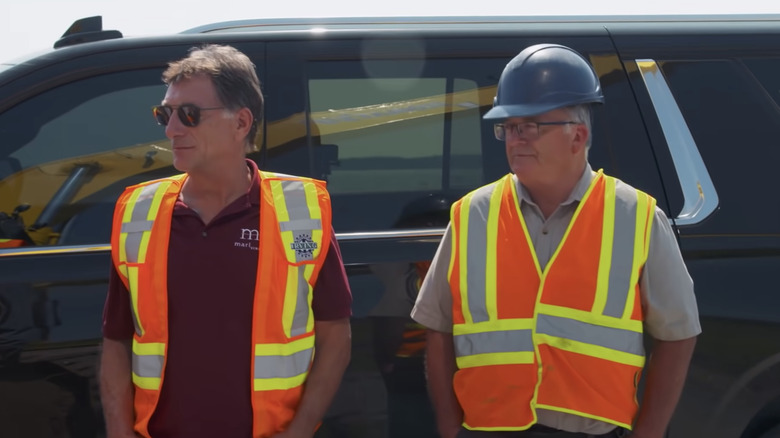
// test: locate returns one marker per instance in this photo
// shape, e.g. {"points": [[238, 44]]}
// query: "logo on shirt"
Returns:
{"points": [[247, 234], [303, 246], [247, 239]]}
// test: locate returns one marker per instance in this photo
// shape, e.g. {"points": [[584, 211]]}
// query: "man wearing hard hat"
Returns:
{"points": [[546, 280]]}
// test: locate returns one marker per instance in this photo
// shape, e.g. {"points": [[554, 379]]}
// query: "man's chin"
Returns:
{"points": [[524, 167], [180, 165]]}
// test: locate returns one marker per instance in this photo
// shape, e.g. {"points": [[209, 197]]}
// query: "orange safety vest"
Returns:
{"points": [[567, 338], [11, 243], [295, 223]]}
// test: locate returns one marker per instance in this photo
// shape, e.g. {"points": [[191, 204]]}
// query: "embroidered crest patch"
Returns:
{"points": [[303, 246]]}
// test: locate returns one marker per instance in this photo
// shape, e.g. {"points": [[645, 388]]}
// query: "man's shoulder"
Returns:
{"points": [[624, 190], [267, 175], [627, 193], [172, 178], [484, 192], [279, 175]]}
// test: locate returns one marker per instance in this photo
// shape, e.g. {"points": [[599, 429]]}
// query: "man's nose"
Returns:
{"points": [[175, 127]]}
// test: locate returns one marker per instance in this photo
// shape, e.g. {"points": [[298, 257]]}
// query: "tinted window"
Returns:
{"points": [[390, 133], [397, 138], [393, 138], [70, 151], [731, 108]]}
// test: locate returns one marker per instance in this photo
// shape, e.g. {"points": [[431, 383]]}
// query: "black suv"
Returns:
{"points": [[388, 111]]}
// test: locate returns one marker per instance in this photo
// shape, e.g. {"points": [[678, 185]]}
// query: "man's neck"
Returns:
{"points": [[209, 192], [550, 196]]}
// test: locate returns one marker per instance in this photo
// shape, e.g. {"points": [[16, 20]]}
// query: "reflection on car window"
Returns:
{"points": [[67, 154], [387, 136], [391, 133]]}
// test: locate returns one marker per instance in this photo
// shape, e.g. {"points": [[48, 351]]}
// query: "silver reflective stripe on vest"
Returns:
{"points": [[622, 263], [507, 341], [148, 365], [137, 227], [302, 224], [476, 253], [139, 222], [300, 221], [616, 339], [272, 367], [301, 316]]}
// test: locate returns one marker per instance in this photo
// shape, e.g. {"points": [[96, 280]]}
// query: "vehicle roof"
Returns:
{"points": [[399, 27], [464, 22]]}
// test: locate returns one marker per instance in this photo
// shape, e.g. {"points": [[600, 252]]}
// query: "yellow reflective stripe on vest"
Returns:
{"points": [[645, 212], [296, 317], [491, 262], [625, 341], [137, 221], [605, 255], [148, 360], [617, 270], [473, 238], [300, 224], [299, 219], [626, 330], [282, 366], [623, 251], [497, 342]]}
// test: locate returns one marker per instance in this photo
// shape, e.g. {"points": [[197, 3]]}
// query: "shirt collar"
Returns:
{"points": [[253, 194], [576, 194]]}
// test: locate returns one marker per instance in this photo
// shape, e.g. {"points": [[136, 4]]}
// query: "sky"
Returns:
{"points": [[29, 26]]}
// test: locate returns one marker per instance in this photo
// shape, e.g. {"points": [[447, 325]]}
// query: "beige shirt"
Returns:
{"points": [[666, 289]]}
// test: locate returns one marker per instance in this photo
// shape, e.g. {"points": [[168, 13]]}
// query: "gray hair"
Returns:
{"points": [[583, 114], [233, 75]]}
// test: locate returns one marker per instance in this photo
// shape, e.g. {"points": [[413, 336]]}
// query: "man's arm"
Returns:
{"points": [[331, 357], [664, 381], [440, 369], [116, 388]]}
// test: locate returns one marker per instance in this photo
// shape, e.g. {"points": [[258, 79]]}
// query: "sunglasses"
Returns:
{"points": [[188, 113]]}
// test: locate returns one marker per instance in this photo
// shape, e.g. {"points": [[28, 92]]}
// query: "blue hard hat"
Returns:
{"points": [[542, 78]]}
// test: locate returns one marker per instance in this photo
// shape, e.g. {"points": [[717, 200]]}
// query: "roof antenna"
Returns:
{"points": [[86, 30]]}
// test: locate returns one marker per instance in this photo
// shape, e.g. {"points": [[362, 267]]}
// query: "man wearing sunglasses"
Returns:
{"points": [[225, 278], [545, 281]]}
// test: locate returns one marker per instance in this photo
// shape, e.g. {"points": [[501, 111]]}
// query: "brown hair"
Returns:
{"points": [[233, 75]]}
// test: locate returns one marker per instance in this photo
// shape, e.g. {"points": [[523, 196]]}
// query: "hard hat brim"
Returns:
{"points": [[502, 112], [506, 111]]}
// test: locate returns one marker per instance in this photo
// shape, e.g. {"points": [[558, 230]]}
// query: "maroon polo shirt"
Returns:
{"points": [[206, 389]]}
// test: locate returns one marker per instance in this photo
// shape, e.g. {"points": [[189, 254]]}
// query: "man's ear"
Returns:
{"points": [[580, 138], [244, 120]]}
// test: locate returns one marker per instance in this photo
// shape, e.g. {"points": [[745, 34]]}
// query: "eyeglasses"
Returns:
{"points": [[527, 130], [188, 113]]}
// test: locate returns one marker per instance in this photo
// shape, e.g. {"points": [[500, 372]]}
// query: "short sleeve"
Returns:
{"points": [[666, 288], [332, 298], [433, 307], [117, 315]]}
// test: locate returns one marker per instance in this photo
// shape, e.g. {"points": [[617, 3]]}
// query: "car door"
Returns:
{"points": [[709, 97]]}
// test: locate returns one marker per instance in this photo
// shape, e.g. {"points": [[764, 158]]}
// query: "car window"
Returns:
{"points": [[395, 140], [731, 109], [66, 155], [390, 133]]}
